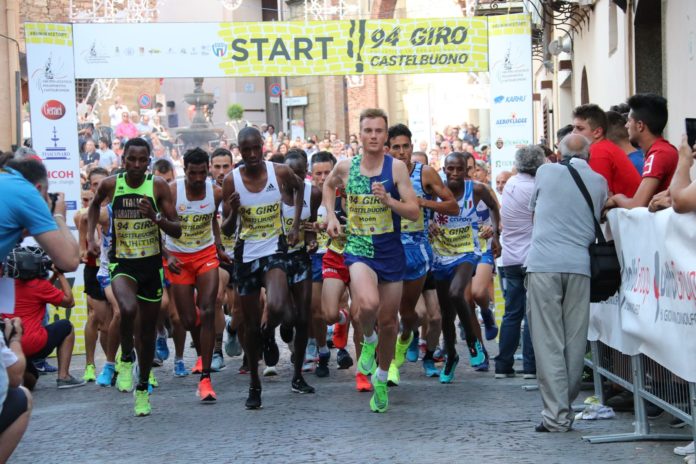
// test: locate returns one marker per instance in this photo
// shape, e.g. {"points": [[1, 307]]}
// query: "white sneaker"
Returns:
{"points": [[270, 371], [684, 450]]}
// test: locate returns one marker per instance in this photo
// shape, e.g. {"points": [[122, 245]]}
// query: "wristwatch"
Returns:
{"points": [[158, 218]]}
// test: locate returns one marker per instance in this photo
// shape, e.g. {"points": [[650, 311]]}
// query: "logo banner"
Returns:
{"points": [[155, 50]]}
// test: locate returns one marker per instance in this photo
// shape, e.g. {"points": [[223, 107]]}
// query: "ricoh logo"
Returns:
{"points": [[61, 174], [53, 109]]}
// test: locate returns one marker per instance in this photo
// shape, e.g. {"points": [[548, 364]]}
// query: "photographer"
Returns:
{"points": [[33, 291], [15, 400]]}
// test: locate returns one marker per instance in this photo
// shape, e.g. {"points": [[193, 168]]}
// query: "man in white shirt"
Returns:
{"points": [[115, 112]]}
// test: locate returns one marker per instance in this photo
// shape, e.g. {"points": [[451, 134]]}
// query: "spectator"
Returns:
{"points": [[116, 112], [270, 132], [481, 171], [422, 146], [605, 158], [32, 294], [502, 179], [15, 400], [89, 157], [646, 121], [682, 189], [618, 134], [117, 147], [143, 126], [445, 148], [560, 135], [471, 136], [558, 278], [107, 157], [126, 129], [25, 204], [518, 222]]}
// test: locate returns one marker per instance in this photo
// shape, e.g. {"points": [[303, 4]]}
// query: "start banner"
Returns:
{"points": [[155, 50], [655, 310]]}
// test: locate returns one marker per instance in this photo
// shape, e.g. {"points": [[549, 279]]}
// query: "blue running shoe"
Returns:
{"points": [[413, 350], [484, 366], [161, 348], [476, 354], [447, 372], [180, 369], [43, 367], [106, 376], [489, 323], [430, 369]]}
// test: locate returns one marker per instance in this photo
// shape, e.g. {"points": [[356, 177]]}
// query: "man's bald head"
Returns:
{"points": [[574, 146], [249, 133]]}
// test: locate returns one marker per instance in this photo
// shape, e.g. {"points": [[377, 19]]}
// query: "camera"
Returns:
{"points": [[54, 199], [27, 263]]}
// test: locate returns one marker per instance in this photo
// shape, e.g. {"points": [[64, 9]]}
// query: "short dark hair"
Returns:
{"points": [[616, 126], [105, 141], [136, 142], [220, 152], [32, 170], [463, 156], [277, 158], [397, 130], [421, 153], [97, 171], [162, 165], [651, 109], [593, 114], [195, 156], [621, 108], [268, 126], [324, 157], [563, 131]]}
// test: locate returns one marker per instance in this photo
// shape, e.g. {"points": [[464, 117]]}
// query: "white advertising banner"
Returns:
{"points": [[655, 311], [510, 61]]}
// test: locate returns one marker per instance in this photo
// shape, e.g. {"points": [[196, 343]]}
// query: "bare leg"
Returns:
{"points": [[114, 339], [407, 309]]}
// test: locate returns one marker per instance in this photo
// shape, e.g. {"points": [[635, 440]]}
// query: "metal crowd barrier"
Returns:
{"points": [[648, 381]]}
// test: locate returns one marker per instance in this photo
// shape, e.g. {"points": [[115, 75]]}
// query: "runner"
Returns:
{"points": [[375, 184], [141, 206], [253, 192], [457, 251], [414, 237], [192, 261]]}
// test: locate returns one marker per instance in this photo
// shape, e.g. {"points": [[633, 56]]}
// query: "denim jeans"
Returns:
{"points": [[515, 312]]}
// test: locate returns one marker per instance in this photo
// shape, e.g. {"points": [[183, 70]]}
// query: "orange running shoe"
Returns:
{"points": [[205, 391], [198, 368], [340, 332], [362, 383]]}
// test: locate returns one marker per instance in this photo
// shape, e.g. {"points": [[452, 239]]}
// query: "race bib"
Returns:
{"points": [[368, 216], [338, 245], [260, 222], [413, 226], [136, 238], [454, 242], [288, 222], [196, 230]]}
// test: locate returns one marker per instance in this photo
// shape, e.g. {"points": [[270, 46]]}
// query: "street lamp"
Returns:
{"points": [[18, 95]]}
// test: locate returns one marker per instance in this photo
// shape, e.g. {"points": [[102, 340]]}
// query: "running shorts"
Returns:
{"points": [[419, 259], [333, 266], [487, 258], [229, 267], [389, 268], [148, 277], [192, 265], [298, 267], [250, 276], [92, 286], [446, 271], [317, 259]]}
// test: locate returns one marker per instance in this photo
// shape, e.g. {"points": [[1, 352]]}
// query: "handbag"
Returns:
{"points": [[605, 269]]}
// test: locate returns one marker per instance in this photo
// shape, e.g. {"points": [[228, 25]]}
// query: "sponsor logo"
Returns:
{"points": [[56, 152], [205, 206], [53, 109], [499, 99], [513, 120], [219, 49], [61, 174], [95, 55], [510, 99], [517, 143], [52, 77], [270, 188], [510, 69]]}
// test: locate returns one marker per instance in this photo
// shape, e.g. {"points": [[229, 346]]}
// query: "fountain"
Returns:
{"points": [[200, 133]]}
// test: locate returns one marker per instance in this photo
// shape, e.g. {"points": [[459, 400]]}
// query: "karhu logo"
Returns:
{"points": [[270, 188]]}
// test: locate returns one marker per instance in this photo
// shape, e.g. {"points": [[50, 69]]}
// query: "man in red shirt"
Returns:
{"points": [[606, 158], [646, 121]]}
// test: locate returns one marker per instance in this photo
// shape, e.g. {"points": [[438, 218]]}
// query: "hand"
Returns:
{"points": [[310, 226], [687, 153], [56, 271], [433, 229], [93, 248], [496, 247], [13, 329], [485, 232], [173, 265], [234, 202], [660, 201], [59, 206], [421, 201], [610, 204], [333, 227], [222, 256], [312, 246], [146, 210], [294, 235], [380, 192]]}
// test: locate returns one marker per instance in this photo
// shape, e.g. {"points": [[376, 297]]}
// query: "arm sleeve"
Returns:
{"points": [[50, 294], [602, 165], [33, 212], [654, 166]]}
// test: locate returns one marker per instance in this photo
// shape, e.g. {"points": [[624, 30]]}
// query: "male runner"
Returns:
{"points": [[253, 193], [141, 206], [414, 237], [379, 191], [192, 260], [457, 251]]}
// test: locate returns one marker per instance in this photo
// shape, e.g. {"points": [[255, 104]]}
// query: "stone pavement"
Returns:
{"points": [[476, 419]]}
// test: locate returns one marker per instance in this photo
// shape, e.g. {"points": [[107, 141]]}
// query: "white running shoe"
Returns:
{"points": [[684, 450]]}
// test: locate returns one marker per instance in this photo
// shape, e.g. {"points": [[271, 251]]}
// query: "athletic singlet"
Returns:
{"points": [[289, 217], [416, 232], [373, 229], [260, 222], [107, 238], [458, 235], [484, 219], [338, 244], [322, 235], [135, 237], [196, 220]]}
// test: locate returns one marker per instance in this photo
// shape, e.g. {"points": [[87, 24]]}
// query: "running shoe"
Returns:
{"points": [[343, 359], [476, 354], [299, 385], [218, 362], [485, 365], [254, 399], [322, 369], [106, 375], [152, 380], [309, 365], [393, 377], [198, 367], [44, 367], [439, 355], [366, 363], [157, 362], [161, 348], [413, 349], [491, 328], [312, 351], [447, 372], [422, 348], [205, 391], [430, 369], [505, 375], [142, 403], [180, 369], [400, 351], [70, 382], [362, 383], [124, 382], [270, 371], [329, 337], [271, 353], [684, 450], [90, 373], [380, 398], [232, 346], [340, 332]]}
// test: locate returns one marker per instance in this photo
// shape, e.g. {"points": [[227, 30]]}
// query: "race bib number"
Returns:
{"points": [[260, 222], [196, 230], [368, 216], [454, 242], [413, 226], [228, 242], [288, 222], [136, 238]]}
